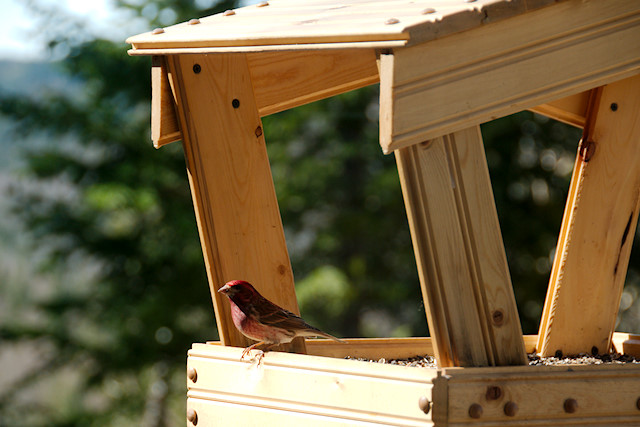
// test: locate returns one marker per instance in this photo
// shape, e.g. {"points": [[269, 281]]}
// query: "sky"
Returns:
{"points": [[18, 31]]}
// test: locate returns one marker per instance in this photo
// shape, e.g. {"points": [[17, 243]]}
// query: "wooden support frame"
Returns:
{"points": [[462, 265], [281, 80], [284, 80], [234, 198], [443, 70], [598, 226]]}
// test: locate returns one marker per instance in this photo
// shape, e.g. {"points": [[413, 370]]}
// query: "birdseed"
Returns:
{"points": [[427, 361]]}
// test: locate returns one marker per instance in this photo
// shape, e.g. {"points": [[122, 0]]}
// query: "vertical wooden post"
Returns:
{"points": [[233, 194], [462, 265], [598, 227]]}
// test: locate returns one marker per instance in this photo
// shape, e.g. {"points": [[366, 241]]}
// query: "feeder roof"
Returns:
{"points": [[326, 24]]}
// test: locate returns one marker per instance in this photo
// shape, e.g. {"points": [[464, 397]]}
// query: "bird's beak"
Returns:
{"points": [[224, 289]]}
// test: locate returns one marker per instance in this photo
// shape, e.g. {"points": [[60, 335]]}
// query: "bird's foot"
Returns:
{"points": [[259, 356], [245, 352]]}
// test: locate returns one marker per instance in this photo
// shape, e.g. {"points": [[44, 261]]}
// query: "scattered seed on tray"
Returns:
{"points": [[583, 359], [418, 361], [534, 360]]}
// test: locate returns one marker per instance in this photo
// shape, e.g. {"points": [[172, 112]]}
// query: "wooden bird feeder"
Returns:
{"points": [[444, 67]]}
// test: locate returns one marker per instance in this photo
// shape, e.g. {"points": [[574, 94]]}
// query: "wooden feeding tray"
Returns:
{"points": [[443, 67]]}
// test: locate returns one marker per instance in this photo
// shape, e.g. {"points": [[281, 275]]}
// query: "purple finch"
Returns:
{"points": [[263, 321]]}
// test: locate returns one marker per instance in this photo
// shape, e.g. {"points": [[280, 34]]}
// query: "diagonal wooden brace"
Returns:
{"points": [[598, 227], [233, 194]]}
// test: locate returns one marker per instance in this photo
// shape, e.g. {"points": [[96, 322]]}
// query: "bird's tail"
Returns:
{"points": [[313, 332]]}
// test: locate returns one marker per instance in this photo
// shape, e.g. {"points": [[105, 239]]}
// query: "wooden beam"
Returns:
{"points": [[234, 198], [283, 80], [598, 227], [571, 110], [468, 78], [462, 265], [165, 128]]}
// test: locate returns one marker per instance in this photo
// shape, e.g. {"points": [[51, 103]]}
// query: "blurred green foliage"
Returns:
{"points": [[112, 227]]}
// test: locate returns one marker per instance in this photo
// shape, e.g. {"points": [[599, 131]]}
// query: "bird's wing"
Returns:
{"points": [[272, 315]]}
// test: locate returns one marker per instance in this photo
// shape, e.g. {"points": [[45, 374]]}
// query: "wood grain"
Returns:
{"points": [[468, 78], [459, 251], [293, 385], [404, 348], [288, 24], [598, 227], [293, 389], [605, 395], [283, 80], [626, 343], [165, 128], [234, 198], [571, 110]]}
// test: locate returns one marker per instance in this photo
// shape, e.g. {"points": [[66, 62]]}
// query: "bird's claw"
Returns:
{"points": [[259, 356], [247, 350], [244, 353]]}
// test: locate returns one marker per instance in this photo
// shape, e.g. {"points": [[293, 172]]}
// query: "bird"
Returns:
{"points": [[261, 320]]}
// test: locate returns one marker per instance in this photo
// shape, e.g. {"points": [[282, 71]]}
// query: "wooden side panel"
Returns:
{"points": [[598, 227], [405, 348], [465, 79], [234, 198], [571, 110], [371, 348], [283, 80], [603, 395], [214, 413], [290, 388], [461, 260], [164, 121]]}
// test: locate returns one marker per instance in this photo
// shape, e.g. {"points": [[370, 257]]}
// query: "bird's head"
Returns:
{"points": [[238, 289]]}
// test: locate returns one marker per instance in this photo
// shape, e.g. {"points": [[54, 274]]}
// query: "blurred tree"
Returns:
{"points": [[96, 194]]}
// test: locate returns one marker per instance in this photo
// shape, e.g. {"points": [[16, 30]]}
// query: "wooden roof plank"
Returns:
{"points": [[286, 22]]}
